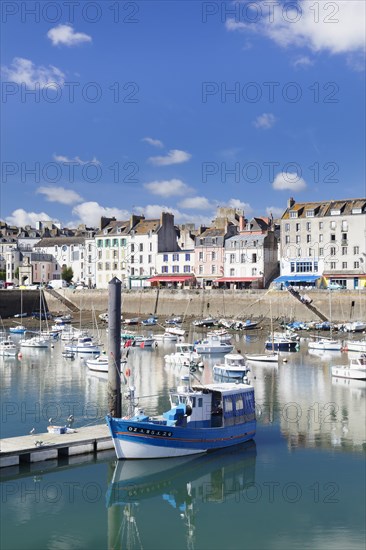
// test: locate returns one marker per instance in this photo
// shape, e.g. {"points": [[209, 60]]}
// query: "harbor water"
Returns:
{"points": [[300, 484]]}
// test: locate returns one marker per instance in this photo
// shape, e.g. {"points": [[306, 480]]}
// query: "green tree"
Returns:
{"points": [[67, 274]]}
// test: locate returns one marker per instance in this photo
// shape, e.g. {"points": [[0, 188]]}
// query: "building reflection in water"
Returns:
{"points": [[185, 484]]}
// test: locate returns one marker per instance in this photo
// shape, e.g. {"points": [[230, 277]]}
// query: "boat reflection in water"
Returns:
{"points": [[185, 483]]}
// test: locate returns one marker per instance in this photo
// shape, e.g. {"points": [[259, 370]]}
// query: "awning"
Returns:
{"points": [[297, 279], [333, 275], [237, 279], [171, 278]]}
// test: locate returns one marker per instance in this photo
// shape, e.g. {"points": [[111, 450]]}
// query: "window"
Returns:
{"points": [[200, 269], [332, 237], [132, 271], [332, 225], [150, 247], [151, 271], [115, 253], [333, 265], [188, 257], [141, 259], [293, 214], [123, 242], [321, 251], [175, 268], [299, 252], [175, 257], [320, 225], [356, 250], [242, 258], [132, 248], [287, 227], [344, 250], [333, 250], [213, 256], [344, 236], [164, 269], [335, 212], [115, 266], [287, 239], [141, 247], [308, 226], [356, 265], [232, 272], [304, 267], [132, 260], [165, 257], [308, 238], [107, 266], [315, 266], [254, 271], [107, 243], [254, 258], [149, 258], [344, 265], [232, 258], [310, 213], [292, 267], [320, 238], [298, 238], [297, 227], [100, 266], [200, 256], [114, 242], [187, 269], [310, 252], [213, 270]]}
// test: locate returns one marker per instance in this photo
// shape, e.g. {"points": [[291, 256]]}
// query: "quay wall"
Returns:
{"points": [[343, 305]]}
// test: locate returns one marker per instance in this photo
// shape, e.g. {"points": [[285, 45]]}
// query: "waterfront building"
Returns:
{"points": [[324, 239], [67, 252]]}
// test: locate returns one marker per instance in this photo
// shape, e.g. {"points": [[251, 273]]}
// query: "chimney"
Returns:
{"points": [[241, 223], [290, 202]]}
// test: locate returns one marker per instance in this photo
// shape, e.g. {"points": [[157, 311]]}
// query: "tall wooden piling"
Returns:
{"points": [[114, 348]]}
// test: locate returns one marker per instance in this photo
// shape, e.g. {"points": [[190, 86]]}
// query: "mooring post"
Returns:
{"points": [[114, 348]]}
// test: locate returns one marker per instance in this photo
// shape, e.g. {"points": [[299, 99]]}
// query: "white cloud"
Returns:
{"points": [[336, 27], [60, 194], [153, 142], [65, 34], [174, 156], [197, 203], [275, 211], [67, 160], [24, 71], [265, 121], [303, 61], [21, 218], [167, 188], [288, 180], [90, 213]]}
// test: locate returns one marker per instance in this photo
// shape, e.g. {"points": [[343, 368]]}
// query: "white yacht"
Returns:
{"points": [[356, 369], [184, 356], [7, 347], [234, 367], [213, 344]]}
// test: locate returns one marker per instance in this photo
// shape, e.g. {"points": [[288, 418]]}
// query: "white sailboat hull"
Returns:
{"points": [[346, 372]]}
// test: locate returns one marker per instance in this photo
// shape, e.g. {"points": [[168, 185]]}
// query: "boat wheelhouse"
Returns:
{"points": [[233, 367]]}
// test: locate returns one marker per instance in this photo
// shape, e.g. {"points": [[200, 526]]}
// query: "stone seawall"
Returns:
{"points": [[344, 305], [340, 306]]}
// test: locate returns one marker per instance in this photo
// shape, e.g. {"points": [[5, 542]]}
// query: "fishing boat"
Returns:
{"points": [[356, 345], [202, 418], [356, 369], [213, 344], [233, 367], [143, 341], [7, 347], [184, 356]]}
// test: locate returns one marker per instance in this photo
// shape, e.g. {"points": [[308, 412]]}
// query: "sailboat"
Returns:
{"points": [[19, 329], [38, 341], [272, 357], [327, 343]]}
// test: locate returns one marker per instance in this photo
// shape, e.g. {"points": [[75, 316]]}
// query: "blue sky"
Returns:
{"points": [[181, 106]]}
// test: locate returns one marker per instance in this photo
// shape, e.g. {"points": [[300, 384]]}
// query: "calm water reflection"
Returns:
{"points": [[301, 485]]}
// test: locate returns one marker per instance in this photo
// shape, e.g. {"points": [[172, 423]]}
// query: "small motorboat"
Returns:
{"points": [[213, 344], [356, 369], [326, 344], [233, 367], [263, 357], [8, 347], [184, 356]]}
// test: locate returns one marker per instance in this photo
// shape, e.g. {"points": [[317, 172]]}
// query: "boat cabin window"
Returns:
{"points": [[200, 401], [193, 401], [239, 403]]}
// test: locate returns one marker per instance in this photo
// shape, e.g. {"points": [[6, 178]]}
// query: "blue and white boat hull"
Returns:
{"points": [[140, 440]]}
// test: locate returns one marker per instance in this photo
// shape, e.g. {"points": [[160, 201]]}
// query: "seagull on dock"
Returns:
{"points": [[50, 420], [32, 431]]}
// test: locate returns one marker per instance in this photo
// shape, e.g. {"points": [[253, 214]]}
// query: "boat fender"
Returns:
{"points": [[128, 372]]}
